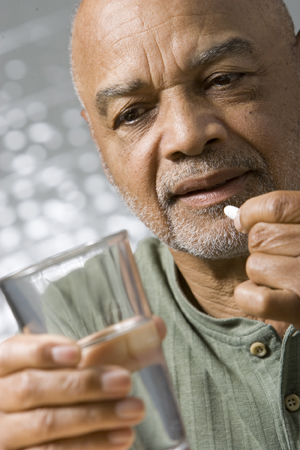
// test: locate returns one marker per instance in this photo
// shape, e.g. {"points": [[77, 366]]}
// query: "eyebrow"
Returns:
{"points": [[115, 91], [232, 46]]}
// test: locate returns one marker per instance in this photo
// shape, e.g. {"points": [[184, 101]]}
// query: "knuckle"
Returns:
{"points": [[252, 265], [40, 352], [257, 237], [47, 446], [240, 291], [264, 302], [43, 423], [277, 206], [4, 437], [81, 382], [25, 388], [5, 352]]}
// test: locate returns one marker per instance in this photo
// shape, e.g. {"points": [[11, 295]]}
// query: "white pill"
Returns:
{"points": [[231, 211]]}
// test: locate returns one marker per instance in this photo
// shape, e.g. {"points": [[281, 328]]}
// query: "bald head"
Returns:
{"points": [[99, 22]]}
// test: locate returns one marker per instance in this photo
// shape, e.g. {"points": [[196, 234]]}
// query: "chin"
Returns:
{"points": [[210, 246], [213, 239]]}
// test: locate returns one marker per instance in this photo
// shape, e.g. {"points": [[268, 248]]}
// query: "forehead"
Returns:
{"points": [[155, 37]]}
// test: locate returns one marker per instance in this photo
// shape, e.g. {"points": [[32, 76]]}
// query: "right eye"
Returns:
{"points": [[130, 116]]}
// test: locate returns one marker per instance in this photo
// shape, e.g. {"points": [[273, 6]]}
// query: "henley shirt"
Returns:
{"points": [[237, 382]]}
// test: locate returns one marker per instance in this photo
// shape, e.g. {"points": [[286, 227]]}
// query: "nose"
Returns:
{"points": [[187, 129]]}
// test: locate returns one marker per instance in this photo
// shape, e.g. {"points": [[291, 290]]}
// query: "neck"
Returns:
{"points": [[209, 286]]}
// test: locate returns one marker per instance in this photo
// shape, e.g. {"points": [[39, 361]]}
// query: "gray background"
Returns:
{"points": [[53, 193]]}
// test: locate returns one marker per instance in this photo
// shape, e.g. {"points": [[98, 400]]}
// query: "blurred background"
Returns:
{"points": [[53, 193]]}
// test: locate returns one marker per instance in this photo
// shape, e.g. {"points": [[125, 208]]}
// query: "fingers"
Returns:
{"points": [[112, 440], [161, 327], [274, 207], [34, 388], [275, 239], [42, 351], [44, 425], [277, 272], [266, 303]]}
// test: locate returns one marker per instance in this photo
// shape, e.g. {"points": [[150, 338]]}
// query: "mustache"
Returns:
{"points": [[201, 165]]}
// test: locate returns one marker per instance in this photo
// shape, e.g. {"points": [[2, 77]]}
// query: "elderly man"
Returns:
{"points": [[194, 105]]}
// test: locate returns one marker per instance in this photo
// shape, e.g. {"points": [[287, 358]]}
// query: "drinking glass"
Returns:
{"points": [[94, 294]]}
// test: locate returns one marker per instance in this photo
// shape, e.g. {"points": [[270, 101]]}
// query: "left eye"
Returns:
{"points": [[225, 80]]}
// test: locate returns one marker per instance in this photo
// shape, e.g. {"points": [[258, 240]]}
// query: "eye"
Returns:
{"points": [[224, 80], [130, 116]]}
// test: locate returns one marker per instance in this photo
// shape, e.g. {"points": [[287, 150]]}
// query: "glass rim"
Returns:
{"points": [[72, 252]]}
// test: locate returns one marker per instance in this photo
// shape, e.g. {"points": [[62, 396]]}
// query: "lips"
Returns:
{"points": [[213, 188]]}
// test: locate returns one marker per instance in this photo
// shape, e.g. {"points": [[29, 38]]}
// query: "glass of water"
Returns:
{"points": [[94, 294]]}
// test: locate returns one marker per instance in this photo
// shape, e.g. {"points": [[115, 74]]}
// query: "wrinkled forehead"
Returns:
{"points": [[114, 38]]}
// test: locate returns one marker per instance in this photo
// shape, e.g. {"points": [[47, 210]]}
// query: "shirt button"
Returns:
{"points": [[292, 402], [258, 349]]}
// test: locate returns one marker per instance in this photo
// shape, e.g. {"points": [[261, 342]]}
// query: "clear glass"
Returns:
{"points": [[94, 294]]}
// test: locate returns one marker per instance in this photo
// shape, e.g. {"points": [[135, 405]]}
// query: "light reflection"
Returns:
{"points": [[24, 164], [106, 203], [15, 69], [6, 159], [7, 216], [94, 184], [37, 229], [37, 111], [28, 210], [13, 262], [78, 136], [16, 118], [59, 211], [85, 234], [38, 152], [40, 132], [14, 140], [10, 238], [3, 125], [13, 90], [89, 162], [23, 189], [71, 118], [53, 159], [51, 176]]}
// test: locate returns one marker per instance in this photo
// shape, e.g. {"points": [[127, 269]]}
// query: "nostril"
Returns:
{"points": [[212, 141]]}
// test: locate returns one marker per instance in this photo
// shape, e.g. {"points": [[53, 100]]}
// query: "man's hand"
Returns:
{"points": [[273, 267], [45, 399]]}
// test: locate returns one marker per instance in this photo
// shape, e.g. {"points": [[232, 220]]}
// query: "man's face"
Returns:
{"points": [[194, 105]]}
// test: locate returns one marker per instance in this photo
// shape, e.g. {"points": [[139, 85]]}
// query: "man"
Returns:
{"points": [[194, 105]]}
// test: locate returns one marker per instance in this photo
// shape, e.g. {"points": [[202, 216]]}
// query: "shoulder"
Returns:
{"points": [[153, 255]]}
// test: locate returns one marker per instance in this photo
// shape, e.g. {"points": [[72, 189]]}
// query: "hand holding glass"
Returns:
{"points": [[93, 294]]}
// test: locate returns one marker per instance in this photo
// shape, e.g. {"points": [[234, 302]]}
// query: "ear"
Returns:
{"points": [[84, 115]]}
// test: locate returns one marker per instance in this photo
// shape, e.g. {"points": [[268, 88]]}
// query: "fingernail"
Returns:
{"points": [[119, 437], [130, 408], [65, 354], [115, 381]]}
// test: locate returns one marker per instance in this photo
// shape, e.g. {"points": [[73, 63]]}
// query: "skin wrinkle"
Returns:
{"points": [[233, 45]]}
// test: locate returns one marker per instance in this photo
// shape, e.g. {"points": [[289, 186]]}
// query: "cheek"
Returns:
{"points": [[133, 167], [271, 131]]}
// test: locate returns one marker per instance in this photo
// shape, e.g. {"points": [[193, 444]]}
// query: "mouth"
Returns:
{"points": [[212, 189]]}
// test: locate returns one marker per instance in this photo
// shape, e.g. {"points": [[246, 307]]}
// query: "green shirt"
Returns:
{"points": [[229, 398]]}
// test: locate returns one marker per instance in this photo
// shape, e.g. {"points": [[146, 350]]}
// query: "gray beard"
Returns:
{"points": [[206, 232]]}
